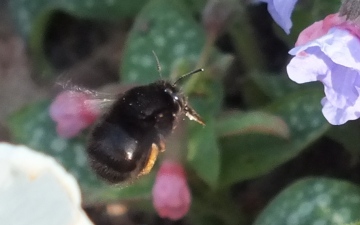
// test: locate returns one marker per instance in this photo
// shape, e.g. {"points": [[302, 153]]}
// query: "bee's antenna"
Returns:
{"points": [[157, 63], [188, 74]]}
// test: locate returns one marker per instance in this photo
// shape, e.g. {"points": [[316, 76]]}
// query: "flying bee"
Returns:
{"points": [[126, 140]]}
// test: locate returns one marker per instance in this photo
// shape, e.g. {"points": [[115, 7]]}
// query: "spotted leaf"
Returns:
{"points": [[279, 85], [30, 16], [248, 155], [166, 28], [314, 201], [33, 18]]}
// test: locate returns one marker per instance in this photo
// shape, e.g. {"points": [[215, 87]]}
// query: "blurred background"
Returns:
{"points": [[265, 136]]}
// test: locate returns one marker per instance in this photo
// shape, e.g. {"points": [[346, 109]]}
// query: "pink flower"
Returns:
{"points": [[73, 111], [319, 28], [171, 194], [329, 51]]}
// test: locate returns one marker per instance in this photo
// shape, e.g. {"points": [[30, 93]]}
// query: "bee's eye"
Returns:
{"points": [[177, 100], [167, 90]]}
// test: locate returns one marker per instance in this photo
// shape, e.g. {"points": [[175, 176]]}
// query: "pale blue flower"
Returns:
{"points": [[334, 60], [281, 11]]}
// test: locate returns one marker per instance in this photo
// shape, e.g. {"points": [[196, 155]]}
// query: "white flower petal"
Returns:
{"points": [[35, 189]]}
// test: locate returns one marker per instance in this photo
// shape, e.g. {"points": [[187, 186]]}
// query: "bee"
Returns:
{"points": [[126, 140]]}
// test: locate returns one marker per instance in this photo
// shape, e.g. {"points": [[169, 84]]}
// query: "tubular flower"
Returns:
{"points": [[280, 11], [73, 111], [171, 194], [334, 60]]}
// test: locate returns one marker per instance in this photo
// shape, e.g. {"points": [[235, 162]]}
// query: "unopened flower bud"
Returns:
{"points": [[171, 194], [216, 16], [72, 112]]}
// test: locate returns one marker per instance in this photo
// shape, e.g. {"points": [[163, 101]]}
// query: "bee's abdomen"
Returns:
{"points": [[107, 173], [114, 154]]}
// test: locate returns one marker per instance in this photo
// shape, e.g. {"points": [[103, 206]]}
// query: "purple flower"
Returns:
{"points": [[281, 10], [333, 59]]}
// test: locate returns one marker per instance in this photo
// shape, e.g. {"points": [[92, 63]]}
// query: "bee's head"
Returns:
{"points": [[181, 101]]}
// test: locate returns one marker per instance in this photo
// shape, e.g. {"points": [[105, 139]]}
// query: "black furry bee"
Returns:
{"points": [[124, 144]]}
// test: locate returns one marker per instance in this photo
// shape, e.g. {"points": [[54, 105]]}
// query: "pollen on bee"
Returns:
{"points": [[116, 209], [162, 146], [151, 161]]}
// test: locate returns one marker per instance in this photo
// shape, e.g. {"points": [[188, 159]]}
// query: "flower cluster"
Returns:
{"points": [[329, 51]]}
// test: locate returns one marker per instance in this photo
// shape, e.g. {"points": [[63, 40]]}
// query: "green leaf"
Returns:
{"points": [[348, 135], [213, 210], [203, 150], [354, 223], [302, 112], [323, 8], [28, 14], [253, 122], [196, 6], [247, 156], [137, 190], [279, 85], [167, 28], [203, 153], [314, 201], [207, 98], [32, 126], [32, 19]]}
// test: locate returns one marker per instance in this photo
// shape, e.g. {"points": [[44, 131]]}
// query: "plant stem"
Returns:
{"points": [[245, 44], [205, 54]]}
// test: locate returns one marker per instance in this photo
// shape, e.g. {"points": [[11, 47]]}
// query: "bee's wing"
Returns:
{"points": [[101, 103], [100, 100]]}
